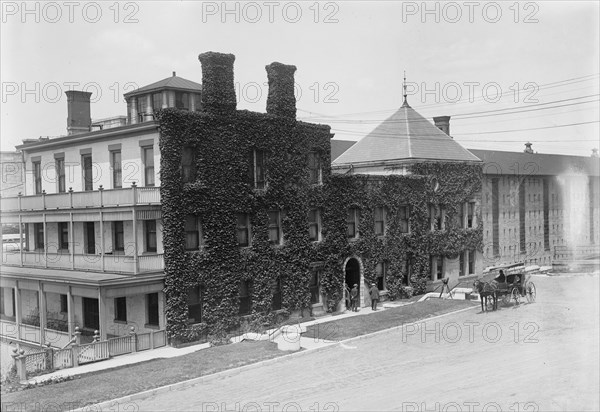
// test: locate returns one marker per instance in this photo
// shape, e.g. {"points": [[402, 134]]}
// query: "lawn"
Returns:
{"points": [[361, 325], [117, 382]]}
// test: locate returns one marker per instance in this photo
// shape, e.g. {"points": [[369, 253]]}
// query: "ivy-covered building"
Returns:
{"points": [[257, 225]]}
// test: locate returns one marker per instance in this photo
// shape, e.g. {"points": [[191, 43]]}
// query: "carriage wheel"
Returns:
{"points": [[531, 292], [515, 295], [489, 303], [506, 298]]}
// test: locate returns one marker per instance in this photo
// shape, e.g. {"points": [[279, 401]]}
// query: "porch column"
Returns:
{"points": [[71, 241], [136, 263], [18, 309], [102, 239], [70, 313], [102, 313], [45, 241], [21, 237], [42, 311]]}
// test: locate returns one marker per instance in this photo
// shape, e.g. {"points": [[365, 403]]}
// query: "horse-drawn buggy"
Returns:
{"points": [[508, 282]]}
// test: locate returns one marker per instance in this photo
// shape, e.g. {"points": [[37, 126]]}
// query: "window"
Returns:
{"points": [[115, 160], [380, 215], [192, 233], [315, 291], [64, 305], [121, 309], [381, 272], [90, 238], [88, 180], [63, 235], [60, 175], [39, 235], [259, 164], [276, 291], [471, 267], [437, 267], [119, 237], [245, 297], [407, 271], [275, 228], [436, 216], [152, 308], [243, 229], [314, 225], [460, 215], [182, 100], [471, 214], [148, 153], [37, 177], [188, 168], [150, 229], [403, 219], [352, 223], [194, 302], [142, 107], [156, 101], [315, 175]]}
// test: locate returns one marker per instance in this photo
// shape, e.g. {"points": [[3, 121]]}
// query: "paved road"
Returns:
{"points": [[535, 357]]}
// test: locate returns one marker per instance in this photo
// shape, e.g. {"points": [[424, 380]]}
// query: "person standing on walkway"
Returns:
{"points": [[374, 294], [347, 296], [354, 298]]}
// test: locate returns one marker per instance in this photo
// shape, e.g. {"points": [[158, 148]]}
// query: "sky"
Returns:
{"points": [[506, 72]]}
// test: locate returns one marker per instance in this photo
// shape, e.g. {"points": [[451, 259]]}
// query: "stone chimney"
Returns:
{"points": [[218, 89], [443, 123], [281, 100], [528, 148], [594, 152], [79, 119]]}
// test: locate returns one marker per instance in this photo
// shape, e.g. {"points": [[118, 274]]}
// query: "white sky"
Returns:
{"points": [[350, 57]]}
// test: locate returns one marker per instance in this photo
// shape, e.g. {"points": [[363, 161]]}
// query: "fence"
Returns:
{"points": [[51, 359]]}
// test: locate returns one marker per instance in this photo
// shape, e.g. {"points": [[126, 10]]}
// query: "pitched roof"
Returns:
{"points": [[340, 146], [499, 162], [173, 82], [405, 135]]}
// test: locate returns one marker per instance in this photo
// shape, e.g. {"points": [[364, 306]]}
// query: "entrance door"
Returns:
{"points": [[353, 274], [91, 315]]}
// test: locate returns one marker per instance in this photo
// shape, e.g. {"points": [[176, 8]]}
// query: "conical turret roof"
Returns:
{"points": [[405, 136]]}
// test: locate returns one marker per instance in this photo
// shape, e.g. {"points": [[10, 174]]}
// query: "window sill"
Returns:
{"points": [[150, 326], [122, 322]]}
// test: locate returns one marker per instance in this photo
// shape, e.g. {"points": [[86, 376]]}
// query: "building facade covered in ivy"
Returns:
{"points": [[257, 225]]}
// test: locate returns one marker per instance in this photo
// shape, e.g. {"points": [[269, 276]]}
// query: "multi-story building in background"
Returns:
{"points": [[89, 214]]}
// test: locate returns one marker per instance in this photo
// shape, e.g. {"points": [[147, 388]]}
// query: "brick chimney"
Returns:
{"points": [[281, 100], [594, 152], [443, 123], [528, 148], [79, 119], [218, 89]]}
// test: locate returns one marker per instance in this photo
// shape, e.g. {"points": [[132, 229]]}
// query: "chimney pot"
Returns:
{"points": [[174, 74], [443, 123], [594, 152], [218, 89], [79, 119], [528, 148], [281, 100]]}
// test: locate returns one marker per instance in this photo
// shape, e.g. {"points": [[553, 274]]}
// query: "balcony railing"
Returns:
{"points": [[97, 198], [95, 263]]}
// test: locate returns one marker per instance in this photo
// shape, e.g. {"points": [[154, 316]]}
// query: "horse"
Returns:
{"points": [[486, 291]]}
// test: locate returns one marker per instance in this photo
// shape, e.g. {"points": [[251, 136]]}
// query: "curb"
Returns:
{"points": [[195, 381]]}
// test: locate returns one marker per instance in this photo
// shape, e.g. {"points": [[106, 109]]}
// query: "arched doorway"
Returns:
{"points": [[353, 274]]}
